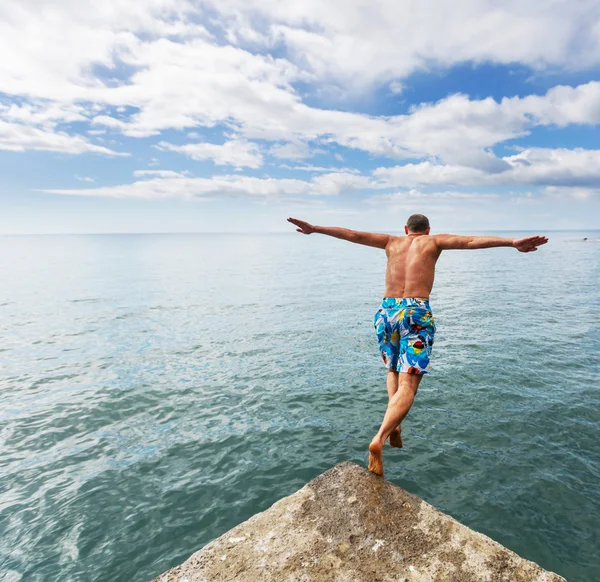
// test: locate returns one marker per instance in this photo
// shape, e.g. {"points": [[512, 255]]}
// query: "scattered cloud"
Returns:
{"points": [[356, 43], [414, 194], [18, 137], [292, 151], [159, 174], [576, 172], [573, 193], [166, 184], [168, 73], [309, 168], [533, 166], [396, 87], [237, 152]]}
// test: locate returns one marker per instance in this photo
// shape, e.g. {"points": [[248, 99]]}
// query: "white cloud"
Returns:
{"points": [[18, 137], [159, 174], [415, 194], [349, 42], [574, 193], [34, 126], [156, 59], [556, 167], [337, 182], [55, 47], [396, 87], [165, 184], [309, 168], [358, 42], [236, 152], [562, 105], [43, 113], [428, 173], [573, 172], [292, 151], [534, 166]]}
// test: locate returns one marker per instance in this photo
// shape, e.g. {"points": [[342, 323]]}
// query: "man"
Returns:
{"points": [[404, 322]]}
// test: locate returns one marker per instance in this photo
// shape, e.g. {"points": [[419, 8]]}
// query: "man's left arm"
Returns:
{"points": [[453, 241]]}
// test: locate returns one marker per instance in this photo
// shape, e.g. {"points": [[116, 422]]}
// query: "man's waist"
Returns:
{"points": [[391, 302]]}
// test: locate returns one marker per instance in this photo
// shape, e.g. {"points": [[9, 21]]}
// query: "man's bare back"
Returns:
{"points": [[410, 266], [404, 323]]}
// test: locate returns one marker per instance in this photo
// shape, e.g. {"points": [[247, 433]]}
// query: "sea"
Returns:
{"points": [[157, 390]]}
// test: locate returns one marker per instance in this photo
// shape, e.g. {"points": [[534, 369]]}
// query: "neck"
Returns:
{"points": [[416, 234]]}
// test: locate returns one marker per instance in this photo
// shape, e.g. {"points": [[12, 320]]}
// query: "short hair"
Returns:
{"points": [[417, 223]]}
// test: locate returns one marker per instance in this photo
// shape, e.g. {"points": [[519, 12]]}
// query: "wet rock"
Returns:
{"points": [[349, 525]]}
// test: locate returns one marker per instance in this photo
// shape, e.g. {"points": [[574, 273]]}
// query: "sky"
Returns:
{"points": [[230, 116]]}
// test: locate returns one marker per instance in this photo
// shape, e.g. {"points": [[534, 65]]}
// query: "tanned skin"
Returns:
{"points": [[410, 273]]}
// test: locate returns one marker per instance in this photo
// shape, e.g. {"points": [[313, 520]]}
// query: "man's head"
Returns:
{"points": [[417, 224]]}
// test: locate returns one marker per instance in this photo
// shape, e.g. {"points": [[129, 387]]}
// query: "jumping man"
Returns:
{"points": [[404, 322]]}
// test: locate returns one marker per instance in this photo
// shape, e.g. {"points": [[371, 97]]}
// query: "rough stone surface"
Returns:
{"points": [[349, 525]]}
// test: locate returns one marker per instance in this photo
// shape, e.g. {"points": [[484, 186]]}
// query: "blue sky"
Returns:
{"points": [[178, 116]]}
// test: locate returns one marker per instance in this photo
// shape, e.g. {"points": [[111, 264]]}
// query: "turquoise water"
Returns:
{"points": [[155, 391]]}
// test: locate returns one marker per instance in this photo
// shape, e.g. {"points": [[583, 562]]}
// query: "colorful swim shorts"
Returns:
{"points": [[405, 329]]}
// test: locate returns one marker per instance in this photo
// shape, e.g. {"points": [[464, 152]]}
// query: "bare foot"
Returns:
{"points": [[375, 457], [396, 438]]}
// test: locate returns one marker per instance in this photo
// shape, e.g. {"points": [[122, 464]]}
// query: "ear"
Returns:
{"points": [[406, 230], [427, 231]]}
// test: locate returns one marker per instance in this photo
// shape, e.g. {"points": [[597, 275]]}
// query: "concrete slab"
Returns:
{"points": [[349, 525]]}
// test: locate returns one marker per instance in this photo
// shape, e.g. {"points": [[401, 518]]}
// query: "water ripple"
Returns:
{"points": [[154, 394]]}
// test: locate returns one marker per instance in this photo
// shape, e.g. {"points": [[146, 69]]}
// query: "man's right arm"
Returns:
{"points": [[454, 241], [371, 239]]}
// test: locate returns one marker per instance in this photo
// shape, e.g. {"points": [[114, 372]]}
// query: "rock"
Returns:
{"points": [[378, 533]]}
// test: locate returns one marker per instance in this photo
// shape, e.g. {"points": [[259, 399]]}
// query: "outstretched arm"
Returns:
{"points": [[371, 239], [454, 241]]}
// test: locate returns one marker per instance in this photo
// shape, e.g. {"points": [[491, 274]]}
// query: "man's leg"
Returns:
{"points": [[397, 409], [395, 438], [392, 383]]}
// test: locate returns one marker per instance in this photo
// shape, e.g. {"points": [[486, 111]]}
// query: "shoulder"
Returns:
{"points": [[437, 242], [441, 239], [394, 240], [392, 244]]}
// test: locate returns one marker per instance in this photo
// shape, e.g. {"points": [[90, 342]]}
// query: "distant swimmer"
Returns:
{"points": [[404, 322]]}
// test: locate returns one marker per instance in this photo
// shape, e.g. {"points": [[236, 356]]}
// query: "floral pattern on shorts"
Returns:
{"points": [[405, 330]]}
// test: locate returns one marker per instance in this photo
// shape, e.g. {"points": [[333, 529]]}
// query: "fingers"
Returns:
{"points": [[303, 227], [531, 243], [538, 240], [297, 222]]}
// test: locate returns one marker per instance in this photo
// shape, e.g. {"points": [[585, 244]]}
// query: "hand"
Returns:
{"points": [[526, 245], [303, 227]]}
